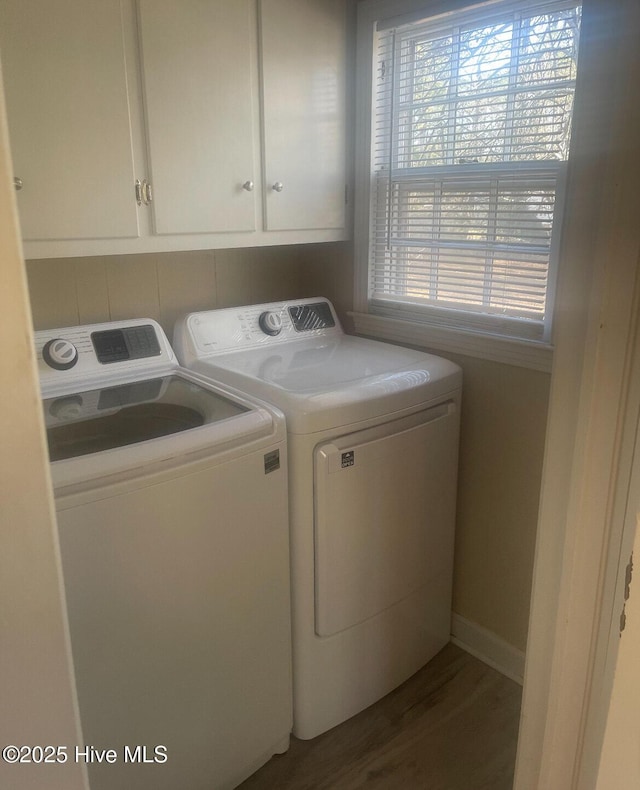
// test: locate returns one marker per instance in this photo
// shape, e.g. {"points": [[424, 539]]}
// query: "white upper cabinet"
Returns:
{"points": [[229, 114], [303, 46], [197, 64], [69, 124]]}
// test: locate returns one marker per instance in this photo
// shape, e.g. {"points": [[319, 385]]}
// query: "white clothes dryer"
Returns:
{"points": [[373, 444], [172, 516]]}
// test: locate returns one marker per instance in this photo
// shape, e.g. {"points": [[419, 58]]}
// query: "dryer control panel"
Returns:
{"points": [[253, 326]]}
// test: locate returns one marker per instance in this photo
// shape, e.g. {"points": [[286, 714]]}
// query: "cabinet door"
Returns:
{"points": [[197, 81], [66, 91], [303, 86]]}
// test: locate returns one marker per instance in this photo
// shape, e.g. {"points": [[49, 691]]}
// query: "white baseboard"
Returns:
{"points": [[488, 647]]}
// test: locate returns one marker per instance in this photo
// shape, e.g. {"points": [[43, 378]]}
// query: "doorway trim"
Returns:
{"points": [[591, 408]]}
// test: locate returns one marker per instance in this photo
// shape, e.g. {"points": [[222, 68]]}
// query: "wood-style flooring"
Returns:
{"points": [[452, 726]]}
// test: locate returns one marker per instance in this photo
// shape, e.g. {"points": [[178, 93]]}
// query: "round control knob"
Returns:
{"points": [[270, 323], [60, 354]]}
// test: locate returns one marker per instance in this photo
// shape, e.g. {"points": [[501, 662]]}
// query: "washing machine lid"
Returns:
{"points": [[110, 417], [325, 382], [120, 411], [138, 426]]}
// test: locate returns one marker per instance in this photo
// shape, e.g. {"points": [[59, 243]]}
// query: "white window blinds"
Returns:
{"points": [[470, 134]]}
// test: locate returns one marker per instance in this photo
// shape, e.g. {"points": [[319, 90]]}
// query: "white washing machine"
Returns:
{"points": [[373, 447], [172, 514]]}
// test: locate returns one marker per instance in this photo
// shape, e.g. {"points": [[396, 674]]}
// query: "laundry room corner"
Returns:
{"points": [[503, 423]]}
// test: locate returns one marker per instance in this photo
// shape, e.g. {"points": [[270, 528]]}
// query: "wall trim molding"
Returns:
{"points": [[488, 647]]}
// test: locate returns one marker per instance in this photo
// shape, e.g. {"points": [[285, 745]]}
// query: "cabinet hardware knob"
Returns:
{"points": [[138, 192], [248, 186], [278, 186], [17, 183]]}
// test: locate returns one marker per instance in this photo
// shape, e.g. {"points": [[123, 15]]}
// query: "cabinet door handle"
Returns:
{"points": [[17, 183], [278, 186], [143, 192], [248, 186]]}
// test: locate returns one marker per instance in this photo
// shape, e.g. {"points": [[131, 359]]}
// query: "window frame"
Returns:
{"points": [[436, 328]]}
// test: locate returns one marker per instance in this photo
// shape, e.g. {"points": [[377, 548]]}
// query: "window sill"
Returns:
{"points": [[521, 353]]}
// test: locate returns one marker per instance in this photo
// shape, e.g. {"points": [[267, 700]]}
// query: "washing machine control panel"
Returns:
{"points": [[130, 342], [101, 351], [254, 326]]}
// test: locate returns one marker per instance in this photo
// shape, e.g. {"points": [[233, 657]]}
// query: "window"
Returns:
{"points": [[470, 128]]}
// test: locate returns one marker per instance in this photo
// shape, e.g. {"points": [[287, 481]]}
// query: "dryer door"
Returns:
{"points": [[384, 515]]}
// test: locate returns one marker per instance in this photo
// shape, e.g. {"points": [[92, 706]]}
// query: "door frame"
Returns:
{"points": [[37, 681], [594, 405]]}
